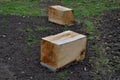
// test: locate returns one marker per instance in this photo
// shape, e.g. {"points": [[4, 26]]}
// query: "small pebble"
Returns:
{"points": [[23, 16], [4, 36], [31, 77], [9, 58], [71, 72], [22, 72], [105, 42], [19, 23], [85, 69]]}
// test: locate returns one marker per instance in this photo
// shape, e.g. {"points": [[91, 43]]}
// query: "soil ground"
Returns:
{"points": [[108, 30], [21, 61]]}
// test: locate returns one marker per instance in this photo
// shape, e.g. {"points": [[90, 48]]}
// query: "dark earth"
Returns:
{"points": [[108, 30], [20, 47]]}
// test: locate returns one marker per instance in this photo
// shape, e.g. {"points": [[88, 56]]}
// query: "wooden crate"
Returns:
{"points": [[62, 49], [60, 15]]}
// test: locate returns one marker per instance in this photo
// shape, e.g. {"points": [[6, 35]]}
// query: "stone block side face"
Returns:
{"points": [[83, 50], [48, 53], [73, 51], [68, 17]]}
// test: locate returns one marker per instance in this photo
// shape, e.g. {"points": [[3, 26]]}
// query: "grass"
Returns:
{"points": [[31, 37], [83, 8], [63, 75], [39, 29], [28, 30], [3, 27], [31, 40], [4, 20], [90, 29], [20, 7], [20, 30], [65, 28]]}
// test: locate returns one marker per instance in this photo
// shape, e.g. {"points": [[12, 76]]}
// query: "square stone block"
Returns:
{"points": [[60, 15], [61, 49]]}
